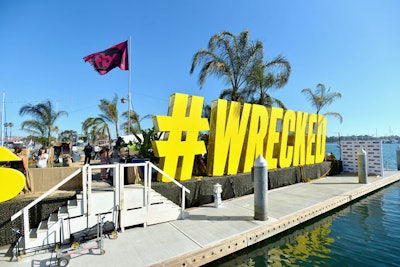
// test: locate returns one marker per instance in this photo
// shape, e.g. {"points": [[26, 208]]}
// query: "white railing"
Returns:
{"points": [[87, 195], [118, 171], [184, 189], [25, 210], [147, 173]]}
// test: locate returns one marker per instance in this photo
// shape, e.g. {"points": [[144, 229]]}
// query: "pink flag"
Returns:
{"points": [[115, 56]]}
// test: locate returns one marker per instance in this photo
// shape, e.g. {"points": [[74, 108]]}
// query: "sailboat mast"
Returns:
{"points": [[2, 120]]}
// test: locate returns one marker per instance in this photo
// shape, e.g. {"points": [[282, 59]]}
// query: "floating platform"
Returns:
{"points": [[209, 233]]}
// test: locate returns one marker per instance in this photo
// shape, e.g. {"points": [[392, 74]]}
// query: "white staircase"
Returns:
{"points": [[135, 212], [126, 206]]}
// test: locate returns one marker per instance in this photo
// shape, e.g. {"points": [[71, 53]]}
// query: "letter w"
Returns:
{"points": [[228, 131]]}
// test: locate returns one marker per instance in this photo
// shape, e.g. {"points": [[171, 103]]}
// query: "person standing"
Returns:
{"points": [[115, 155], [22, 166], [41, 161], [104, 159], [88, 149]]}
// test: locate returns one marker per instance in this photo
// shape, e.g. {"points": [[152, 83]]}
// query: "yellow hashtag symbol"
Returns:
{"points": [[180, 144]]}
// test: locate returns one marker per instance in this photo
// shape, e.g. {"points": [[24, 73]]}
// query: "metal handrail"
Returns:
{"points": [[148, 166], [54, 188], [25, 211], [87, 195], [184, 189], [50, 191], [169, 177], [87, 189]]}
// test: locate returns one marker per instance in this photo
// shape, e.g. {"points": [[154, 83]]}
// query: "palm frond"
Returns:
{"points": [[230, 57], [336, 115], [322, 97]]}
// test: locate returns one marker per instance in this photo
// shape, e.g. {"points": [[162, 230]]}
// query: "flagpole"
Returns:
{"points": [[2, 120], [129, 86]]}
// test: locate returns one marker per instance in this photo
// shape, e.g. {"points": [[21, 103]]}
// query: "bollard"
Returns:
{"points": [[362, 166], [260, 177], [398, 157], [217, 195]]}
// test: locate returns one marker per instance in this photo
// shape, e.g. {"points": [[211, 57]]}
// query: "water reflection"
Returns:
{"points": [[363, 233], [291, 248]]}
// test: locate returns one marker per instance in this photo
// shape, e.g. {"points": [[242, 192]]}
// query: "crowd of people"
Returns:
{"points": [[108, 156], [41, 159]]}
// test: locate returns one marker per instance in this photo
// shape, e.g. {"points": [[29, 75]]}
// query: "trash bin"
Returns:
{"points": [[76, 156], [137, 160]]}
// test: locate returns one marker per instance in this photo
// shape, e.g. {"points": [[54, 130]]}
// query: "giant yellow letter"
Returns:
{"points": [[299, 150], [310, 151], [320, 141], [273, 137], [288, 126], [229, 123], [180, 144], [255, 136]]}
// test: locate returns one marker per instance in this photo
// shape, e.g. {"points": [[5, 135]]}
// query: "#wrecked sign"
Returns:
{"points": [[238, 134]]}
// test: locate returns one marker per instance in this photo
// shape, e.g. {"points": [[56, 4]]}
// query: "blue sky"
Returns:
{"points": [[350, 46]]}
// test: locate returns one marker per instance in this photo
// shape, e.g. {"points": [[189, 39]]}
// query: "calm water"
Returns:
{"points": [[363, 233]]}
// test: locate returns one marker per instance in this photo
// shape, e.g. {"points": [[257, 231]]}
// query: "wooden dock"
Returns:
{"points": [[211, 233]]}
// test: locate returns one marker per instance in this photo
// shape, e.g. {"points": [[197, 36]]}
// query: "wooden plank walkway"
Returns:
{"points": [[211, 233]]}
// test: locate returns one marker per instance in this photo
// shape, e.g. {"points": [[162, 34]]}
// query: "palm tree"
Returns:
{"points": [[110, 112], [68, 136], [9, 124], [230, 57], [43, 122], [265, 76], [98, 127], [135, 121], [95, 128], [321, 98]]}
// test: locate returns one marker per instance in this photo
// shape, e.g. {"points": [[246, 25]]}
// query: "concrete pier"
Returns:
{"points": [[209, 233]]}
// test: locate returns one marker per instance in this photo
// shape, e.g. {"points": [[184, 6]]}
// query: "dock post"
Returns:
{"points": [[398, 157], [260, 178], [362, 166], [217, 195]]}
